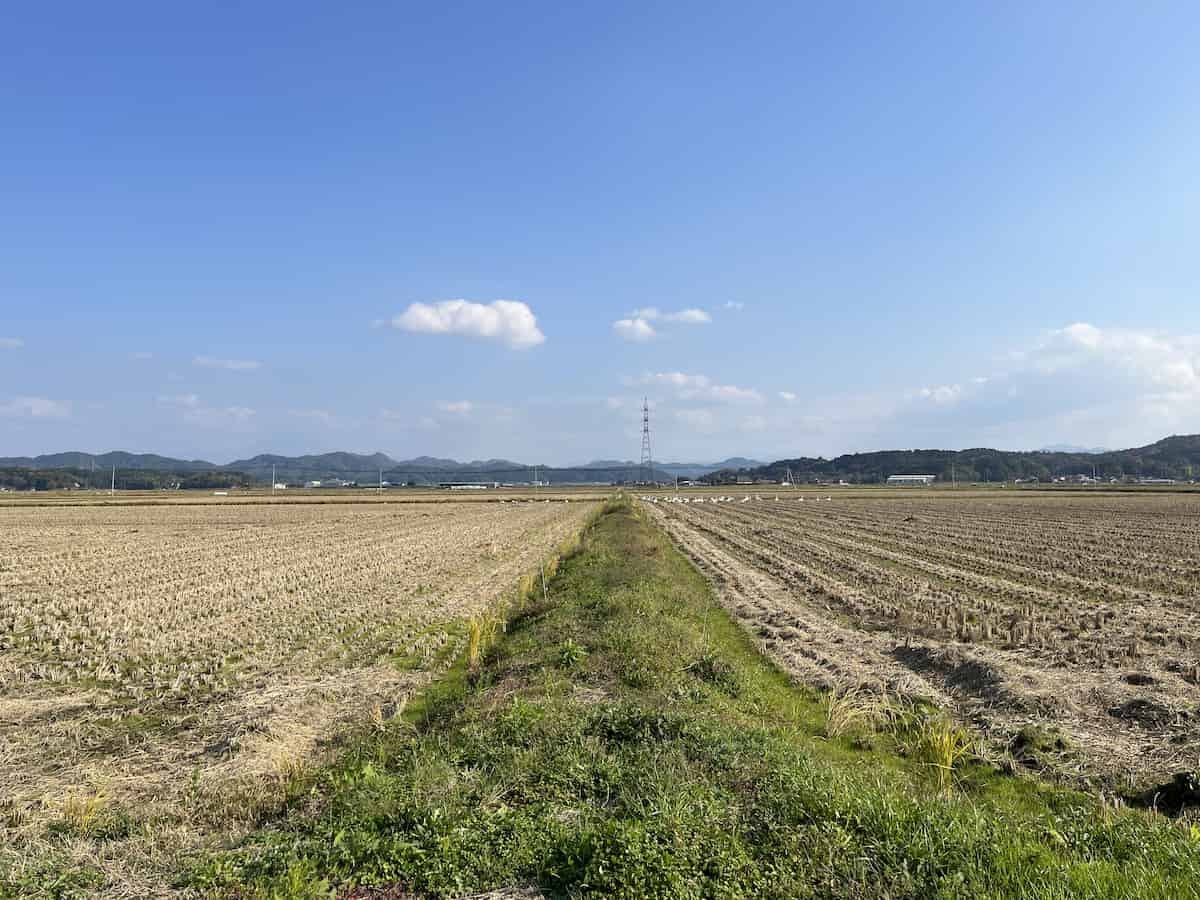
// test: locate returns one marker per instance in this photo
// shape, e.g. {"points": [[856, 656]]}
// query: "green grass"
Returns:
{"points": [[627, 740]]}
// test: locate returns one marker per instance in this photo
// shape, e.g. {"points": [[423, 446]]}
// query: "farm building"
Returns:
{"points": [[912, 479]]}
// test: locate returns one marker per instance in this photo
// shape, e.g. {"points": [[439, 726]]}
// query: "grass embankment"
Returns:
{"points": [[626, 739]]}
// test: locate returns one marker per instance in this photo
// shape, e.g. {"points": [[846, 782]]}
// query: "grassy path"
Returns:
{"points": [[625, 739]]}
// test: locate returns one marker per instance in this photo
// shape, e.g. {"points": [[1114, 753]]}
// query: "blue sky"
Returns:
{"points": [[797, 228]]}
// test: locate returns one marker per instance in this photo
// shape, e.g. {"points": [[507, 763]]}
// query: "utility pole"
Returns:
{"points": [[112, 489], [380, 481], [272, 479], [953, 475]]}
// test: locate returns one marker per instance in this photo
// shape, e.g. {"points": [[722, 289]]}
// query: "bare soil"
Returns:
{"points": [[1073, 614]]}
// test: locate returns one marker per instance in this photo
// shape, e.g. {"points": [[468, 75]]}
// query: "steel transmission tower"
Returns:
{"points": [[647, 464]]}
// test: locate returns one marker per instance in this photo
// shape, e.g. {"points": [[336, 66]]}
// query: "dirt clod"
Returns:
{"points": [[1176, 795], [1145, 713], [1140, 679]]}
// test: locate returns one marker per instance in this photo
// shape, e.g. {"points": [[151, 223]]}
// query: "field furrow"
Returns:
{"points": [[1039, 611]]}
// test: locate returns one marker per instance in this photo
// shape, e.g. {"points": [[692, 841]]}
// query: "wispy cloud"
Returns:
{"points": [[1082, 383], [735, 305], [634, 329], [943, 394], [639, 324], [690, 387], [691, 316], [195, 412], [141, 354], [35, 408], [11, 343], [509, 321], [787, 396], [232, 365], [457, 407]]}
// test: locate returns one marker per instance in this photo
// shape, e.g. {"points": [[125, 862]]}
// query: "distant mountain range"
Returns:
{"points": [[363, 468], [1173, 457], [1176, 457], [1071, 448]]}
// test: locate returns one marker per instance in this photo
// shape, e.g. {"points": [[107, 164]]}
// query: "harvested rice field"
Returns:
{"points": [[166, 670], [1074, 618]]}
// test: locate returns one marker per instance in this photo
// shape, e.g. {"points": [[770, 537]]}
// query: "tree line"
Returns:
{"points": [[1174, 457], [20, 479]]}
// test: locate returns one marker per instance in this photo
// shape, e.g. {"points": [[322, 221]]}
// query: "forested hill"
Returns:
{"points": [[1173, 457]]}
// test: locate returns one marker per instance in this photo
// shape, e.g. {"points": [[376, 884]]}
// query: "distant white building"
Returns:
{"points": [[912, 479]]}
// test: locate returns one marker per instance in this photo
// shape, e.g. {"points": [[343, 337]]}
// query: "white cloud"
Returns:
{"points": [[735, 305], [734, 394], [509, 321], [232, 365], [1084, 383], [677, 379], [691, 387], [34, 408], [942, 395], [194, 412], [1080, 384], [690, 316], [637, 325], [457, 407], [635, 329], [11, 343], [1158, 359]]}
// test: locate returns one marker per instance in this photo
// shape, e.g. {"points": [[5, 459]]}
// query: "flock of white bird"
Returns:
{"points": [[723, 499]]}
